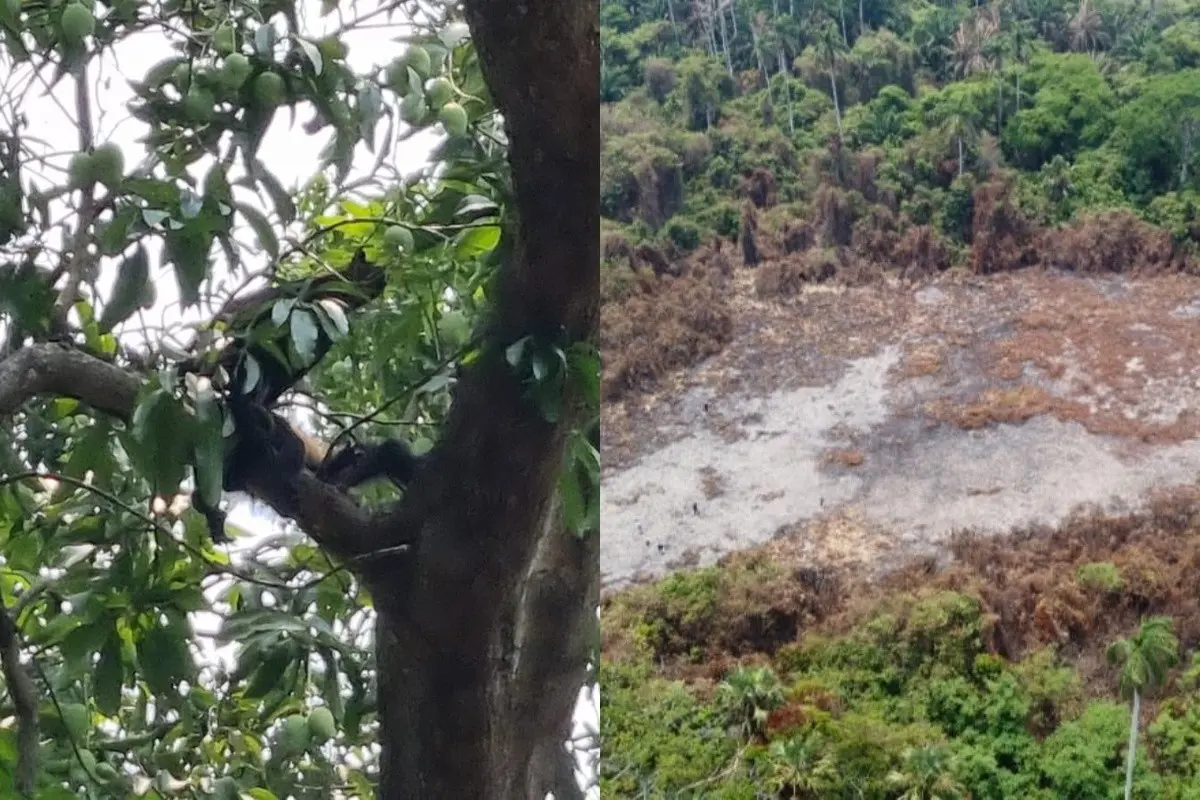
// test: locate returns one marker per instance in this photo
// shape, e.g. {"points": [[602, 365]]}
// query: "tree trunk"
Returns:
{"points": [[762, 66], [842, 12], [484, 627], [671, 16], [837, 108], [960, 155], [1187, 137], [724, 40], [1132, 754], [1018, 90], [999, 103], [862, 19], [787, 89]]}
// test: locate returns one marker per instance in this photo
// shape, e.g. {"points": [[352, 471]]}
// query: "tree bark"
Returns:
{"points": [[1131, 756], [480, 628], [724, 38], [837, 108]]}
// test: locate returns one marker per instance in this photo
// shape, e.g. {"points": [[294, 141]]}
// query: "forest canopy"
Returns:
{"points": [[856, 139]]}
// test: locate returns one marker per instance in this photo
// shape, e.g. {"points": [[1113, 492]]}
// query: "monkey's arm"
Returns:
{"points": [[357, 464]]}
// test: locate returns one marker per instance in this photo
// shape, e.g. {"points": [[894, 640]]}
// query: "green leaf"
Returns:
{"points": [[262, 229], [264, 41], [164, 434], [158, 193], [163, 658], [216, 186], [332, 311], [253, 374], [574, 506], [515, 352], [188, 249], [110, 675], [312, 54], [269, 673], [284, 206], [281, 310], [91, 452], [304, 334], [209, 448], [78, 646], [132, 276], [113, 235], [475, 242]]}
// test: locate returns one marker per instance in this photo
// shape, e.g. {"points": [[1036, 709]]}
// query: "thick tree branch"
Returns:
{"points": [[333, 519], [66, 372]]}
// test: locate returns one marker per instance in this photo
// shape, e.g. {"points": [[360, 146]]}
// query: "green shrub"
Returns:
{"points": [[684, 233], [1100, 576]]}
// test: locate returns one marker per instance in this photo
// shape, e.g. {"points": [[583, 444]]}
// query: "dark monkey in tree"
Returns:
{"points": [[261, 365]]}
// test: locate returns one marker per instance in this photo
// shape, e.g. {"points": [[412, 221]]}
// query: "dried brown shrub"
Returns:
{"points": [[1110, 241], [615, 247], [1001, 237], [861, 173], [668, 324], [659, 263], [748, 236], [921, 250], [798, 236], [660, 78], [759, 187], [1012, 406], [833, 216], [844, 457], [1028, 578], [785, 277], [876, 234]]}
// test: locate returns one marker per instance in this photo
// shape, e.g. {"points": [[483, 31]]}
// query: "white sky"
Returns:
{"points": [[289, 153]]}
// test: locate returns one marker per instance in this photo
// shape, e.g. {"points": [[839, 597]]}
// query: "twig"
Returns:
{"points": [[24, 698]]}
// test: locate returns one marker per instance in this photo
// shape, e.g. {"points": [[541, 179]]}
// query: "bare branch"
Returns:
{"points": [[79, 256]]}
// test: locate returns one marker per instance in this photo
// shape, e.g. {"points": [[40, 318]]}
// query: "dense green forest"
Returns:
{"points": [[835, 140], [843, 140], [1010, 674]]}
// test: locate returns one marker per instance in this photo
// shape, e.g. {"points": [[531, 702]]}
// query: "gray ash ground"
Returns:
{"points": [[741, 450]]}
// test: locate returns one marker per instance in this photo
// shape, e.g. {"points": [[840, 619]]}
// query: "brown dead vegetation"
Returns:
{"points": [[851, 233], [1030, 582], [1012, 405], [1111, 241], [759, 188], [1122, 366], [844, 457], [664, 323]]}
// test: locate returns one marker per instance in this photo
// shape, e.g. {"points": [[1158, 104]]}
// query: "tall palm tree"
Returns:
{"points": [[1086, 28], [973, 39], [1144, 659], [960, 125], [1020, 33], [832, 47], [925, 775]]}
